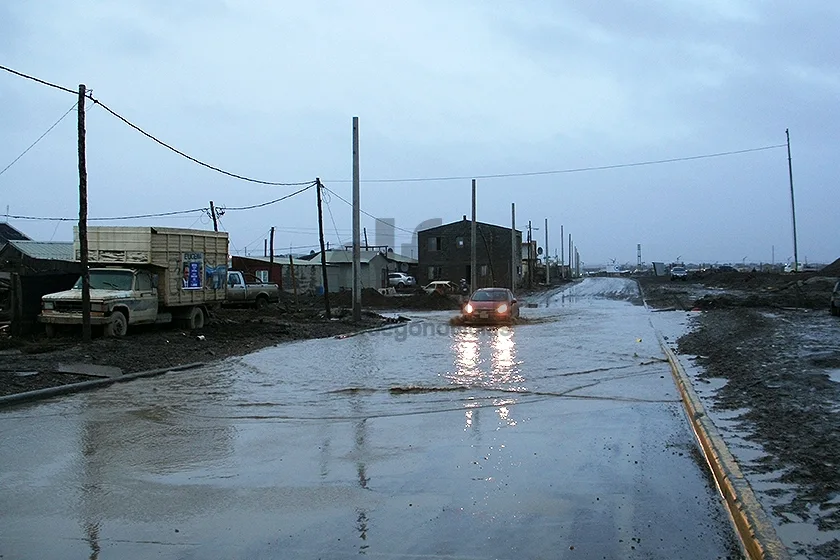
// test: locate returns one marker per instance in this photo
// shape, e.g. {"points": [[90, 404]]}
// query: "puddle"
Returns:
{"points": [[834, 375]]}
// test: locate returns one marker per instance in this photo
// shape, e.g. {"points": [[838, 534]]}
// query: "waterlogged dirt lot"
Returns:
{"points": [[766, 359]]}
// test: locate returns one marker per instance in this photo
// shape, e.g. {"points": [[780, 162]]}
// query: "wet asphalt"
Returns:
{"points": [[562, 437]]}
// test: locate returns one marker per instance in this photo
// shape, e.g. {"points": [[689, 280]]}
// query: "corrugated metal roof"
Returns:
{"points": [[9, 233], [400, 258], [284, 261], [45, 250]]}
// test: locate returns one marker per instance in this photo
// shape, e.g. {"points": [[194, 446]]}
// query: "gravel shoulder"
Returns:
{"points": [[770, 346]]}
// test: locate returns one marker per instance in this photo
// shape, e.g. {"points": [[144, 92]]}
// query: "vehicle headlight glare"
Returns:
{"points": [[502, 308], [468, 308]]}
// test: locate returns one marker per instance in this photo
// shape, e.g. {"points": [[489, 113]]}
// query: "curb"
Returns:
{"points": [[757, 534], [370, 330], [38, 394]]}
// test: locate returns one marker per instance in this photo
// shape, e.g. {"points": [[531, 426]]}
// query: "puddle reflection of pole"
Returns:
{"points": [[91, 496], [360, 448]]}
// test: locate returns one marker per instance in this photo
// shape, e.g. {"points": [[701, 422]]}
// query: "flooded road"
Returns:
{"points": [[562, 437]]}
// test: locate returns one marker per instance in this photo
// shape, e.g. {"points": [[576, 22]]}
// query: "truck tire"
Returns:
{"points": [[196, 319], [835, 310], [118, 326], [261, 302]]}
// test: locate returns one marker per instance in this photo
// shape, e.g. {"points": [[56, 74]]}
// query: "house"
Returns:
{"points": [[375, 266], [35, 268], [445, 253], [9, 233]]}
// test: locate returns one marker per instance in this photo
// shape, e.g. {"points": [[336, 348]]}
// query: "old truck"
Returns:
{"points": [[144, 275], [257, 293]]}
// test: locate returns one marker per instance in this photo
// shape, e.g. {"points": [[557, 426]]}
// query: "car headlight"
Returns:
{"points": [[49, 305], [468, 308], [98, 307], [502, 308]]}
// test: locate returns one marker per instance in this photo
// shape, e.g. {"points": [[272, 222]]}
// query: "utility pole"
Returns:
{"points": [[83, 208], [473, 245], [271, 254], [547, 265], [364, 230], [571, 258], [265, 247], [562, 253], [792, 205], [513, 248], [357, 254], [323, 252], [530, 257], [294, 279], [213, 215]]}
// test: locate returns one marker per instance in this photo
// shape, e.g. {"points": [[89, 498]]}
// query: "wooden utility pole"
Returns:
{"points": [[792, 205], [323, 252], [473, 246], [265, 247], [271, 254], [364, 230], [514, 250], [547, 264], [83, 208], [530, 257], [357, 222], [562, 253], [294, 280], [213, 215]]}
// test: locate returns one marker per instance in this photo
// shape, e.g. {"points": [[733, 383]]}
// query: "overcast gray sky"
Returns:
{"points": [[268, 89]]}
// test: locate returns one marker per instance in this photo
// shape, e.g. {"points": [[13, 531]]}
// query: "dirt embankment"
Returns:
{"points": [[771, 337]]}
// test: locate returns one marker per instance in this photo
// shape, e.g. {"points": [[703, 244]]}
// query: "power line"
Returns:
{"points": [[563, 171], [369, 214], [192, 159], [55, 124], [40, 81], [310, 185]]}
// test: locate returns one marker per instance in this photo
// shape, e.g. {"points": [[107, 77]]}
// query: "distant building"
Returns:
{"points": [[445, 254], [375, 266]]}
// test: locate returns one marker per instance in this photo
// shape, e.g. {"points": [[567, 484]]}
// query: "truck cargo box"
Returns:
{"points": [[191, 264]]}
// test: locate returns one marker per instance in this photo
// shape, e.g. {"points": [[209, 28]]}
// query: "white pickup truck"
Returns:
{"points": [[257, 293]]}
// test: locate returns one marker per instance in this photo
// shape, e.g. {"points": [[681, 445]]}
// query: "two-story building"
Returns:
{"points": [[445, 254]]}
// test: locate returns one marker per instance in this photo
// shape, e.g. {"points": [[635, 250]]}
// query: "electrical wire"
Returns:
{"points": [[563, 171], [40, 81], [192, 159], [369, 214], [310, 185], [332, 219], [55, 124]]}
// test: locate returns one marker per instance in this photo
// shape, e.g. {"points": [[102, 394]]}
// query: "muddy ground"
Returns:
{"points": [[773, 341], [35, 362]]}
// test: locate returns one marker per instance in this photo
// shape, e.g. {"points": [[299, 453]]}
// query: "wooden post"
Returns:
{"points": [[213, 215], [271, 254], [364, 230], [294, 280], [323, 252], [473, 246], [83, 239], [357, 221], [792, 205], [17, 304]]}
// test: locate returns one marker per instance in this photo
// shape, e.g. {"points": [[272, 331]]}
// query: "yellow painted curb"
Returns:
{"points": [[757, 534]]}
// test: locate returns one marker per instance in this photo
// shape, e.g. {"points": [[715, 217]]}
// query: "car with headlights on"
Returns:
{"points": [[491, 306]]}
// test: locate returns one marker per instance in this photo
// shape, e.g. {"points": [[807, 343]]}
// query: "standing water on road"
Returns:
{"points": [[559, 437]]}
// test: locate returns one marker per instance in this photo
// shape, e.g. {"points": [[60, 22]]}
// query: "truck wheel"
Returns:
{"points": [[400, 286], [261, 302], [196, 320], [118, 325], [834, 310]]}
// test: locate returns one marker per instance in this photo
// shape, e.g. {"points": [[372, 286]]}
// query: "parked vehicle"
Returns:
{"points": [[143, 275], [400, 280], [835, 300], [441, 286], [257, 293], [679, 273], [491, 305]]}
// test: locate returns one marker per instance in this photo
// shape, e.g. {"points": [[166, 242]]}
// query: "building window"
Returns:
{"points": [[435, 273], [483, 270], [262, 276], [434, 244], [459, 242]]}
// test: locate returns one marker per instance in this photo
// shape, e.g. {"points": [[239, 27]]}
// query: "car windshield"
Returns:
{"points": [[678, 269], [108, 280], [490, 295]]}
